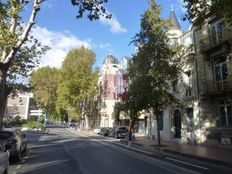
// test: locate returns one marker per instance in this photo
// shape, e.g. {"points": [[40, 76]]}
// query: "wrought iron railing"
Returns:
{"points": [[213, 86]]}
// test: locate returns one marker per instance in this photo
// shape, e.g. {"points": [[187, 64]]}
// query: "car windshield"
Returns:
{"points": [[4, 135], [122, 128]]}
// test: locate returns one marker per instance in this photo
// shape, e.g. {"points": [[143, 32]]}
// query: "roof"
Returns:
{"points": [[174, 22], [110, 59]]}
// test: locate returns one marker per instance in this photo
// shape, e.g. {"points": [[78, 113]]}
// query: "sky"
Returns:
{"points": [[57, 27]]}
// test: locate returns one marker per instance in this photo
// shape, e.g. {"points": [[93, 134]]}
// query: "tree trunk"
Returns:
{"points": [[158, 129], [3, 92]]}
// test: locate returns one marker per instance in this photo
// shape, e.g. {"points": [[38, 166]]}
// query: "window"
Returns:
{"points": [[220, 72], [189, 118], [189, 78], [225, 113], [188, 92], [215, 33], [174, 87]]}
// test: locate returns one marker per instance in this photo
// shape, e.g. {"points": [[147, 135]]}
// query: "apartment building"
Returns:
{"points": [[214, 68], [19, 105]]}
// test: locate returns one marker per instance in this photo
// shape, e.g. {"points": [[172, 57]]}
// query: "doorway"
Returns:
{"points": [[177, 124]]}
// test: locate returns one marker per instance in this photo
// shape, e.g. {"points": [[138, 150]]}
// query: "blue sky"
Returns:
{"points": [[57, 27]]}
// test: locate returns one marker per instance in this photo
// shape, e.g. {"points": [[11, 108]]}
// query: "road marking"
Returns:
{"points": [[19, 166], [194, 165], [143, 151]]}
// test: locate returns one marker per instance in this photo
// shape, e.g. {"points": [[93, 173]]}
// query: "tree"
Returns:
{"points": [[154, 66], [19, 52], [77, 80], [44, 85], [198, 9]]}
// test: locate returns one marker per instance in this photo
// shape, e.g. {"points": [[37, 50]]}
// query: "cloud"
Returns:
{"points": [[115, 26], [60, 44], [103, 46]]}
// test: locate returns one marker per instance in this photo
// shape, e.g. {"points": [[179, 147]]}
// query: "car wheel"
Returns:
{"points": [[6, 171], [17, 156]]}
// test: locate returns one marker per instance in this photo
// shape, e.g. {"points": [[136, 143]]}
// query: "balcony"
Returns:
{"points": [[217, 87], [215, 43]]}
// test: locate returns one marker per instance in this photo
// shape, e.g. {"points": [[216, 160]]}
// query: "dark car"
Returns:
{"points": [[108, 131], [103, 131], [120, 132], [4, 159], [16, 142]]}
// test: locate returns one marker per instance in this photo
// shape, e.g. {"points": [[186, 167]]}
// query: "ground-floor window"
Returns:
{"points": [[225, 113], [189, 118]]}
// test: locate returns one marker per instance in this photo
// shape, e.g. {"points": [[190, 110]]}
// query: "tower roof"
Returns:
{"points": [[173, 20], [110, 59]]}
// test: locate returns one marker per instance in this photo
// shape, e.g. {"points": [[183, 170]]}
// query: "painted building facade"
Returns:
{"points": [[113, 81]]}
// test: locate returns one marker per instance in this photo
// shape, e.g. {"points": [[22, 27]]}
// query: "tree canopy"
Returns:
{"points": [[154, 66], [198, 9], [77, 79], [43, 84]]}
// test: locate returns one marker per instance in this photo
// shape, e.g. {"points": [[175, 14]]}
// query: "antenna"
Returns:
{"points": [[111, 52], [172, 7]]}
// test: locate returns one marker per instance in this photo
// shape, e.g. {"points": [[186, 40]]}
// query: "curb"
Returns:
{"points": [[164, 152], [168, 152], [215, 161]]}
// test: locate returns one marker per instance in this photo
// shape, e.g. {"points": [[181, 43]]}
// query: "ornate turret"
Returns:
{"points": [[173, 20], [175, 30], [110, 59]]}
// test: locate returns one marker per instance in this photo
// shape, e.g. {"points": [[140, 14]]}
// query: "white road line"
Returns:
{"points": [[194, 165], [19, 166], [149, 153]]}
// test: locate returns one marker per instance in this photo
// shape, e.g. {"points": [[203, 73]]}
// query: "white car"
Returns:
{"points": [[4, 159], [96, 130]]}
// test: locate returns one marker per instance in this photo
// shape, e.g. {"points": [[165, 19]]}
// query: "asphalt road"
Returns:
{"points": [[66, 151]]}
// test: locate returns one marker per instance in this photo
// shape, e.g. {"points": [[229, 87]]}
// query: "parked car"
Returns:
{"points": [[4, 159], [120, 132], [103, 131], [96, 130], [16, 142], [108, 131]]}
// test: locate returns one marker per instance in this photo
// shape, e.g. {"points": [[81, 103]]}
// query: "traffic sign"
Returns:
{"points": [[36, 112]]}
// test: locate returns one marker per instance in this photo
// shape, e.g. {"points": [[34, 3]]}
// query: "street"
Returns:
{"points": [[67, 151]]}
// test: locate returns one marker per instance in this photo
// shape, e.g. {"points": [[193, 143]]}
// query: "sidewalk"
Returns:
{"points": [[216, 155]]}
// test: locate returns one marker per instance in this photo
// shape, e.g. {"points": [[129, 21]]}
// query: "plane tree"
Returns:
{"points": [[77, 81], [43, 84]]}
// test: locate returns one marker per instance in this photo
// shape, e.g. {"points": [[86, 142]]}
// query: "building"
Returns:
{"points": [[19, 105], [205, 88], [113, 81], [177, 124], [214, 68]]}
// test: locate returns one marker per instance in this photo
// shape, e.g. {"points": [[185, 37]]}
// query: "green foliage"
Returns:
{"points": [[32, 124], [154, 66], [199, 9], [73, 114], [94, 7], [77, 80], [17, 121], [44, 85]]}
